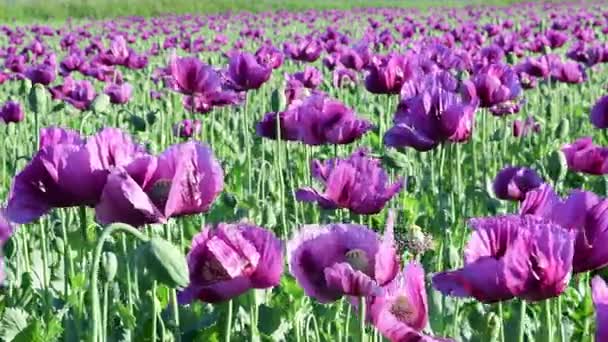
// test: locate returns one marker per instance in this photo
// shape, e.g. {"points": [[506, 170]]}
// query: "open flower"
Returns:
{"points": [[512, 256], [119, 93], [316, 120], [67, 171], [496, 84], [306, 50], [187, 128], [184, 180], [342, 259], [246, 73], [387, 74], [357, 183], [600, 301], [584, 156], [11, 111], [599, 113], [227, 260], [512, 183]]}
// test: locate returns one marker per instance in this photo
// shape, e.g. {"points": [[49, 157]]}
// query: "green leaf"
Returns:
{"points": [[13, 321]]}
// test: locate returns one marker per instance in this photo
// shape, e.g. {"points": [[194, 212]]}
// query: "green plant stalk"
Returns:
{"points": [[94, 297], [548, 320], [521, 328], [362, 319], [228, 327]]}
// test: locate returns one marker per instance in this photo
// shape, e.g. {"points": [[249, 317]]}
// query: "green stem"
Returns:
{"points": [[521, 331], [548, 320], [502, 322], [362, 317], [560, 326], [228, 330], [154, 311], [253, 313], [95, 271]]}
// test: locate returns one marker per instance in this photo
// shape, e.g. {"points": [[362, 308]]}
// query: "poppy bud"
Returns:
{"points": [[38, 99], [277, 100], [25, 86], [165, 262], [110, 265], [557, 166], [563, 129], [101, 103]]}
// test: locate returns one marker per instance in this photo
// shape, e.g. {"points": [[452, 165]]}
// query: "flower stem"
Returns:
{"points": [[362, 316], [522, 318], [548, 320], [228, 330]]}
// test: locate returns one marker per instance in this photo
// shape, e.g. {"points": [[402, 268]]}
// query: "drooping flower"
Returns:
{"points": [[512, 256], [184, 180], [435, 110], [67, 171], [401, 313], [187, 128], [342, 259], [496, 84], [119, 93], [512, 183], [357, 183], [228, 260], [599, 292], [11, 112], [246, 73], [584, 156], [599, 113], [316, 120]]}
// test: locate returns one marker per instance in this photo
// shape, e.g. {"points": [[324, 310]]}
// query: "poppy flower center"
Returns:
{"points": [[403, 310], [159, 192], [213, 271], [358, 259]]}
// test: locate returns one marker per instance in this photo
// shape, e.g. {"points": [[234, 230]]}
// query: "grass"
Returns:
{"points": [[30, 10]]}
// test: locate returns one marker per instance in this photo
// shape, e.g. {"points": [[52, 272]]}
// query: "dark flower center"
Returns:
{"points": [[159, 192], [212, 271], [403, 310], [358, 259]]}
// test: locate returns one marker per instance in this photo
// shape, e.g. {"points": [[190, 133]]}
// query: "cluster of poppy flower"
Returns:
{"points": [[441, 82]]}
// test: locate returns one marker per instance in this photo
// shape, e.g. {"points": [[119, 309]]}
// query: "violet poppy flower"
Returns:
{"points": [[246, 73], [387, 74], [11, 111], [342, 77], [187, 128], [184, 180], [306, 50], [522, 128], [512, 256], [512, 183], [310, 78], [599, 113], [569, 72], [117, 54], [441, 110], [316, 120], [67, 171], [6, 230], [496, 84], [584, 213], [357, 183], [79, 94], [43, 74], [119, 93], [584, 156], [342, 259], [269, 56], [228, 260], [401, 313], [599, 292]]}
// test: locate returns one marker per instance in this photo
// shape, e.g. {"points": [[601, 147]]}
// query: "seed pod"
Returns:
{"points": [[394, 159], [563, 129], [110, 265], [165, 262], [25, 86], [277, 100], [38, 99], [557, 166], [101, 103]]}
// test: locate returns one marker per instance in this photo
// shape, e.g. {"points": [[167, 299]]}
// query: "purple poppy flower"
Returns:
{"points": [[306, 50], [357, 183], [342, 259], [512, 256], [119, 93], [117, 54], [387, 74], [342, 77], [437, 110], [599, 113], [6, 230], [512, 183], [556, 39], [310, 78], [227, 260], [269, 56], [584, 156], [496, 84], [11, 111], [187, 128], [246, 73], [67, 171], [599, 292], [43, 74], [584, 213], [568, 72], [401, 313], [316, 120], [71, 63], [136, 62], [184, 180], [525, 127], [79, 94]]}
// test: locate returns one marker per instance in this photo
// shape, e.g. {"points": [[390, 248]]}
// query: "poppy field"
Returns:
{"points": [[367, 174]]}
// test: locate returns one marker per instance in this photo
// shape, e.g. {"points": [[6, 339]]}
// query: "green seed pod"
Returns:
{"points": [[138, 123], [59, 245], [393, 159], [38, 99], [110, 265], [278, 101], [511, 58], [25, 86], [563, 129], [165, 262], [557, 166], [101, 103]]}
